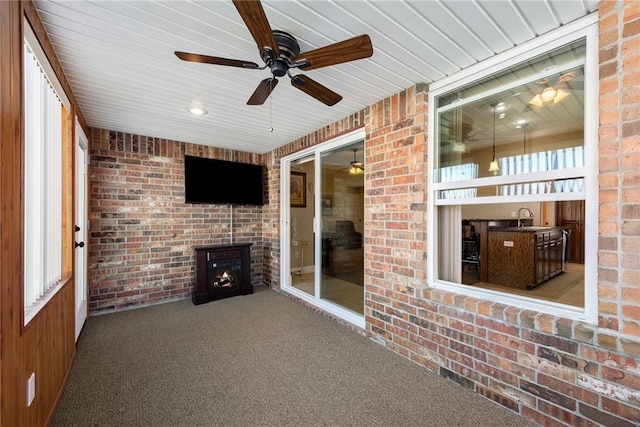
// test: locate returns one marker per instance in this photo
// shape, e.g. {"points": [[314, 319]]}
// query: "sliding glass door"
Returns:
{"points": [[301, 220], [323, 219], [342, 218]]}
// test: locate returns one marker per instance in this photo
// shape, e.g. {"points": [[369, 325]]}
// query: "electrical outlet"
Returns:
{"points": [[31, 388], [513, 214]]}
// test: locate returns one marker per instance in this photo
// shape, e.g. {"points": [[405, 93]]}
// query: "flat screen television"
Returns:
{"points": [[222, 182]]}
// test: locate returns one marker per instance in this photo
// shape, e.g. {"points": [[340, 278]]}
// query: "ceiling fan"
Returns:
{"points": [[459, 137], [281, 53], [556, 88]]}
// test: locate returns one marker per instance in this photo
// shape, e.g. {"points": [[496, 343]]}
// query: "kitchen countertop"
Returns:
{"points": [[524, 229]]}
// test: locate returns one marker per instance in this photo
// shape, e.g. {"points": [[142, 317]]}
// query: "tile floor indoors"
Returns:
{"points": [[566, 288]]}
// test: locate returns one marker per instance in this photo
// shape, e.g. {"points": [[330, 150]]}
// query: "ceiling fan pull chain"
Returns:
{"points": [[271, 105]]}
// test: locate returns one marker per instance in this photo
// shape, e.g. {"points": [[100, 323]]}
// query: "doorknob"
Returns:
{"points": [[81, 244], [77, 228]]}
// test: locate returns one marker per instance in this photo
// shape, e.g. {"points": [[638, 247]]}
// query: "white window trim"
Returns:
{"points": [[586, 27]]}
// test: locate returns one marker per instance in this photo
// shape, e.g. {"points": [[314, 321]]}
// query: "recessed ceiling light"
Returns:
{"points": [[501, 106], [521, 121], [197, 111]]}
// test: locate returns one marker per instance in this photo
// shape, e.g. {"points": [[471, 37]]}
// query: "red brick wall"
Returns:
{"points": [[142, 232], [395, 211], [550, 369], [619, 249]]}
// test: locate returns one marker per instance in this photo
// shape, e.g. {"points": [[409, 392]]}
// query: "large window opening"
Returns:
{"points": [[511, 180]]}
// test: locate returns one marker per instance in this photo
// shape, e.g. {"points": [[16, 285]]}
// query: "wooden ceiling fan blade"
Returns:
{"points": [[575, 85], [206, 59], [263, 91], [256, 21], [315, 89], [358, 47]]}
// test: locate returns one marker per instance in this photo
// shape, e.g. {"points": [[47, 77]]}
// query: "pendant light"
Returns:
{"points": [[522, 124], [493, 166]]}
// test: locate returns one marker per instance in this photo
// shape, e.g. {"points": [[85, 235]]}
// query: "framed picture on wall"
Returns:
{"points": [[298, 190], [327, 205]]}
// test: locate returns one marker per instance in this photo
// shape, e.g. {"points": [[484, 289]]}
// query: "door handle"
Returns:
{"points": [[81, 244], [77, 228]]}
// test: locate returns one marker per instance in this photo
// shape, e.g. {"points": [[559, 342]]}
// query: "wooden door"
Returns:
{"points": [[570, 214]]}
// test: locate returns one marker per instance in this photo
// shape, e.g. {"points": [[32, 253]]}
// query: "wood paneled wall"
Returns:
{"points": [[46, 345]]}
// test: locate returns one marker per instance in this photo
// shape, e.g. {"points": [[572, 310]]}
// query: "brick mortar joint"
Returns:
{"points": [[616, 334]]}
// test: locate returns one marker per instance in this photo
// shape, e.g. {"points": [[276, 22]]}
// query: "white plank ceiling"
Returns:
{"points": [[119, 59]]}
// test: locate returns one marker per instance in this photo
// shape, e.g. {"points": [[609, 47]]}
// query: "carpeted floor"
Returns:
{"points": [[255, 360]]}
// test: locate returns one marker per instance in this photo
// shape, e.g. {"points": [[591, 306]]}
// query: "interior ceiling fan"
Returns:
{"points": [[281, 53], [459, 136], [556, 88], [357, 167]]}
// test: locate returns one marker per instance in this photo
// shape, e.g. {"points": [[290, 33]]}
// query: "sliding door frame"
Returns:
{"points": [[285, 226]]}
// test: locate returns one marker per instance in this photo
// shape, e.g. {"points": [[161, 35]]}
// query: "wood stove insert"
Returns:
{"points": [[222, 272]]}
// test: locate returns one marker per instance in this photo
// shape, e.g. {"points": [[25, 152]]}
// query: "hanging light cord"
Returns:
{"points": [[494, 133], [271, 104]]}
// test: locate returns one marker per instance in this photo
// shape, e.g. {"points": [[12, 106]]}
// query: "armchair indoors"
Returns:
{"points": [[346, 235]]}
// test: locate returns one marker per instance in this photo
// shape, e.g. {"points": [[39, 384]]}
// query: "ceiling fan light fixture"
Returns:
{"points": [[353, 170], [548, 94], [560, 95], [357, 167], [536, 100]]}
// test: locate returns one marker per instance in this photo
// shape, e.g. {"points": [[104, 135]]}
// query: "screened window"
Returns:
{"points": [[510, 181]]}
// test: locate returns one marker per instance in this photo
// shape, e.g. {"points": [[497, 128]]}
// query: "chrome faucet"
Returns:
{"points": [[520, 211]]}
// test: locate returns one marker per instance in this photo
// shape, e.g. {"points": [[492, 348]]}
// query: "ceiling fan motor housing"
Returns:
{"points": [[289, 49]]}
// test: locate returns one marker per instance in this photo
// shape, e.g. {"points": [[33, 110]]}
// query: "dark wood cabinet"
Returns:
{"points": [[481, 229], [524, 257], [548, 255], [570, 215]]}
